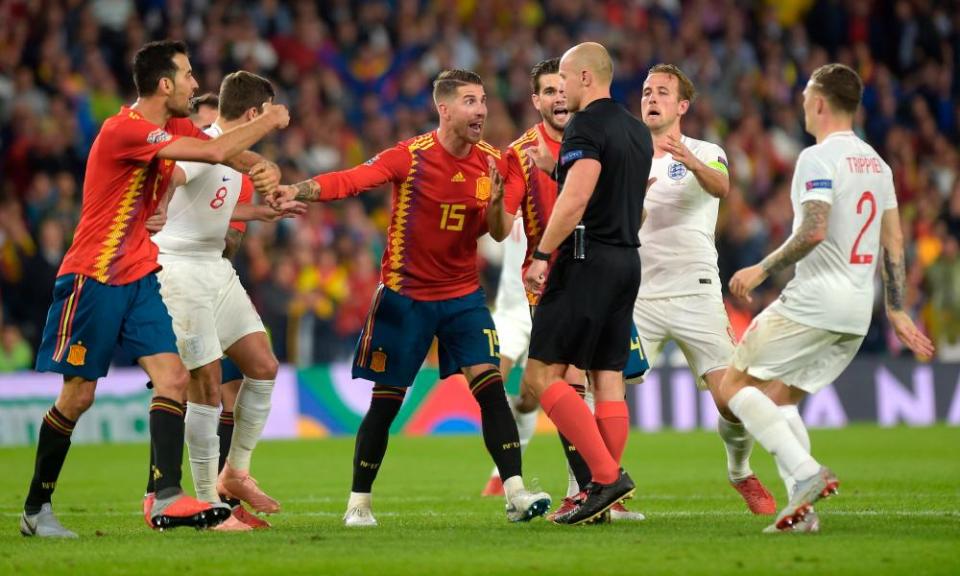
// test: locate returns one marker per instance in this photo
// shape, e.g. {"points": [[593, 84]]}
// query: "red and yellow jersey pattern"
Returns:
{"points": [[121, 189], [438, 213], [530, 190]]}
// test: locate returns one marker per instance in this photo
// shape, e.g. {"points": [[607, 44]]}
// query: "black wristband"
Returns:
{"points": [[538, 255]]}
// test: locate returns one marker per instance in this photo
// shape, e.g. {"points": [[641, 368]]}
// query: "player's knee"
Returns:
{"points": [[173, 384], [528, 402], [265, 368], [77, 402], [205, 387]]}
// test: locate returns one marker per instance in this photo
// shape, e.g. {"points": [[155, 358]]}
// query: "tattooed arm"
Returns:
{"points": [[812, 231], [893, 272]]}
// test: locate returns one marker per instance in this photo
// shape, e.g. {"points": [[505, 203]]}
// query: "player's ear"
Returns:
{"points": [[683, 107], [166, 85], [535, 98]]}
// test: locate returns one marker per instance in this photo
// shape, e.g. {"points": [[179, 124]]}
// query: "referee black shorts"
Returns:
{"points": [[586, 311]]}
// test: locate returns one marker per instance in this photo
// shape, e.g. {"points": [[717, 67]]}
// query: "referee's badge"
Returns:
{"points": [[676, 171], [483, 188]]}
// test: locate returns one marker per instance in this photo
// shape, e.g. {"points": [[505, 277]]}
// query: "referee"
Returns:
{"points": [[584, 315]]}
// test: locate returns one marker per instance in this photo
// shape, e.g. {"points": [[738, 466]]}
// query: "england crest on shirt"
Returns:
{"points": [[676, 171]]}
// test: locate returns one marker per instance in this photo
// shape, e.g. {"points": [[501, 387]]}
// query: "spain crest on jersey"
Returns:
{"points": [[378, 361], [77, 356], [483, 188]]}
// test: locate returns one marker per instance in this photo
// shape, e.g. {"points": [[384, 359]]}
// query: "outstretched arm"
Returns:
{"points": [[230, 143], [389, 166], [812, 231]]}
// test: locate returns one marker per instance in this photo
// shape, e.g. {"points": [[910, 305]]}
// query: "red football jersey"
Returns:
{"points": [[532, 189], [246, 197], [438, 213], [123, 184]]}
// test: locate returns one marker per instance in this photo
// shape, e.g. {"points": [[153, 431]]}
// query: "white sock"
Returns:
{"points": [[249, 417], [200, 431], [526, 426], [792, 416], [359, 500], [739, 444], [573, 487], [511, 486], [767, 425]]}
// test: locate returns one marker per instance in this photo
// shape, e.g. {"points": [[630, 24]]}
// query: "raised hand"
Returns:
{"points": [[676, 148], [496, 181], [278, 113], [541, 156]]}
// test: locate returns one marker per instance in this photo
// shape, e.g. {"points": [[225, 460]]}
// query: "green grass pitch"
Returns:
{"points": [[898, 512]]}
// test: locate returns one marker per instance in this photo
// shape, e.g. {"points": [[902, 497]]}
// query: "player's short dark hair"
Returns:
{"points": [[448, 81], [840, 85], [686, 89], [209, 99], [153, 62], [241, 91], [542, 68]]}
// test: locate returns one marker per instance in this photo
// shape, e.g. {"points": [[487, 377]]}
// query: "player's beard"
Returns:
{"points": [[468, 134], [177, 109], [552, 121]]}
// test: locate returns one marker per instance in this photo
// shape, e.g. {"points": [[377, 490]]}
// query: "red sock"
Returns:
{"points": [[613, 421], [574, 420]]}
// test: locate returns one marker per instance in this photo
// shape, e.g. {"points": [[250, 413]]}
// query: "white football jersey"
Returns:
{"points": [[510, 293], [678, 252], [199, 212], [832, 287]]}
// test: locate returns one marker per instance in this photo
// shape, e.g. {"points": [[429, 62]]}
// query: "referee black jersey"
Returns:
{"points": [[607, 132]]}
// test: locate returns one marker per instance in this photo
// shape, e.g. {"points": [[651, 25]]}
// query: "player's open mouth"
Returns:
{"points": [[476, 127], [560, 113], [653, 113]]}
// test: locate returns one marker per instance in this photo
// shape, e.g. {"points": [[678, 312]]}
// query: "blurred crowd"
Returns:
{"points": [[357, 78]]}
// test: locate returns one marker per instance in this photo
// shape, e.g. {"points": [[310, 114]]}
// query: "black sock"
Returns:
{"points": [[499, 427], [580, 469], [166, 435], [150, 485], [225, 432], [52, 447], [373, 434]]}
